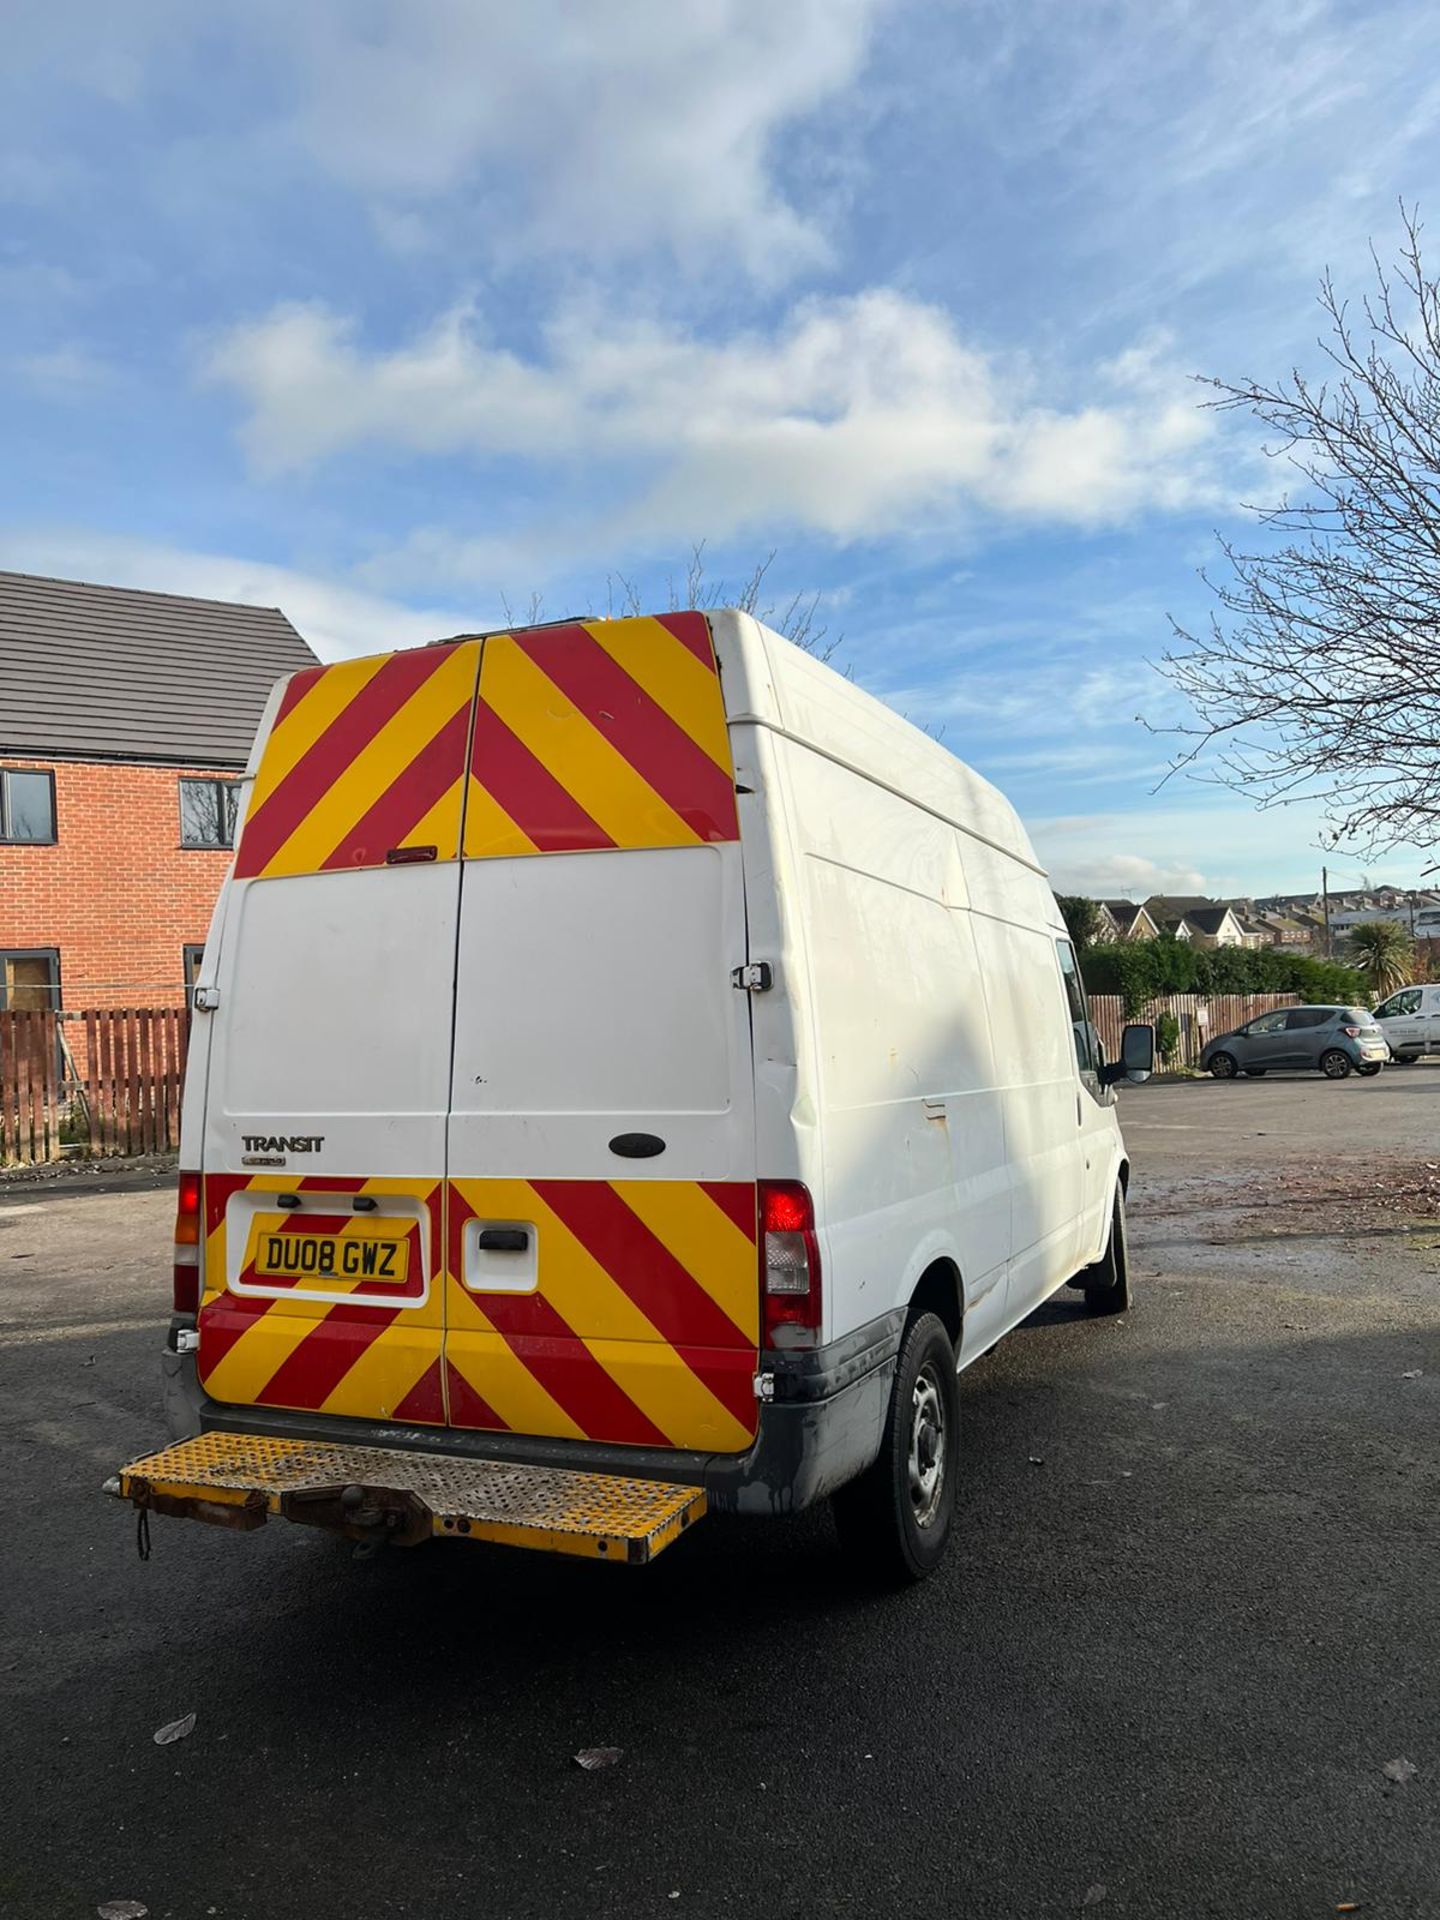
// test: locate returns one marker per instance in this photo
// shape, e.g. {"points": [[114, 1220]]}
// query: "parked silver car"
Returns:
{"points": [[1335, 1041]]}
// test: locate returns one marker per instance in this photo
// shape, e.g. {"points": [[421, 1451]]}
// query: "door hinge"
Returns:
{"points": [[207, 999], [764, 1384], [755, 978], [187, 1340]]}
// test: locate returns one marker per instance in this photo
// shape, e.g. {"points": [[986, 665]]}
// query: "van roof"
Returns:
{"points": [[798, 695]]}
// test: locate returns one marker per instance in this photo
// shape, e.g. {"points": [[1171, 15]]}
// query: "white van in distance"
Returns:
{"points": [[632, 1069], [1410, 1021]]}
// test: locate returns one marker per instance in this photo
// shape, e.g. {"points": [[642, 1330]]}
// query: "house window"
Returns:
{"points": [[27, 806], [207, 812], [29, 979]]}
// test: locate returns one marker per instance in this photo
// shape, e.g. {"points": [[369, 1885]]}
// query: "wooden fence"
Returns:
{"points": [[99, 1082], [1199, 1018]]}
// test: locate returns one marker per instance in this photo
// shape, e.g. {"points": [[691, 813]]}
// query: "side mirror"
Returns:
{"points": [[1137, 1056]]}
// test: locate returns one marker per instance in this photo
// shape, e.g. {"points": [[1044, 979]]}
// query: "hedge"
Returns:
{"points": [[1144, 970]]}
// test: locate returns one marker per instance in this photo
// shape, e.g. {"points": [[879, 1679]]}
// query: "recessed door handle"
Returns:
{"points": [[502, 1240]]}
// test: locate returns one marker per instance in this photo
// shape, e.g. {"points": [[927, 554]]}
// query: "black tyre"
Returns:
{"points": [[1404, 1059], [1336, 1065], [1256, 1073], [1370, 1068], [1107, 1283], [1222, 1065], [894, 1520]]}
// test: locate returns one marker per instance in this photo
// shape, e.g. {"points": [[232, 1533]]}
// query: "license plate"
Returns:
{"points": [[331, 1256]]}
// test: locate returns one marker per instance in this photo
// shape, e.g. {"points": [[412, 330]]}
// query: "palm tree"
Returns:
{"points": [[1384, 953]]}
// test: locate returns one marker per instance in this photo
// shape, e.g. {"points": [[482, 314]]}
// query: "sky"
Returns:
{"points": [[406, 314]]}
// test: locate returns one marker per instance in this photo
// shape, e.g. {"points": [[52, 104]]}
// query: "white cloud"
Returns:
{"points": [[598, 131], [854, 417], [1123, 876], [338, 621], [1191, 840], [607, 127]]}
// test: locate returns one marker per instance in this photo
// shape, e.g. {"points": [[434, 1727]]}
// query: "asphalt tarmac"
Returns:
{"points": [[1191, 1616]]}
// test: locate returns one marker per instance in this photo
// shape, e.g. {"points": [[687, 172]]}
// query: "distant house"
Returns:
{"points": [[1201, 922], [1125, 920], [1282, 933], [1212, 927], [125, 722]]}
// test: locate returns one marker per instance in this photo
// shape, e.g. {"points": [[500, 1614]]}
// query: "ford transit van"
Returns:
{"points": [[633, 1070]]}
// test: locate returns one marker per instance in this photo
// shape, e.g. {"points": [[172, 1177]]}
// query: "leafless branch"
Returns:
{"points": [[1318, 674]]}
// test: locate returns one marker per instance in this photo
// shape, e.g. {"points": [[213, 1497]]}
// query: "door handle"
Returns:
{"points": [[502, 1240]]}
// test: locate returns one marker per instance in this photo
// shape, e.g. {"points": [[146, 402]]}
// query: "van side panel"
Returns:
{"points": [[1036, 1165], [913, 1142], [1016, 927]]}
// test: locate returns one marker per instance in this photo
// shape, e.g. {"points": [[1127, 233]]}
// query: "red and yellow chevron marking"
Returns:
{"points": [[285, 1347], [643, 1329], [364, 757], [606, 733]]}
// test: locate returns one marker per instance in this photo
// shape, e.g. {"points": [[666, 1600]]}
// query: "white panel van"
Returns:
{"points": [[1410, 1021], [633, 1070]]}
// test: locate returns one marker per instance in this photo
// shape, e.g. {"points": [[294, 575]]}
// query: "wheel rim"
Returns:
{"points": [[927, 1447], [1222, 1066], [1335, 1066]]}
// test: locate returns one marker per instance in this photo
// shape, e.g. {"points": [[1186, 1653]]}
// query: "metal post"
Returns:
{"points": [[1325, 892]]}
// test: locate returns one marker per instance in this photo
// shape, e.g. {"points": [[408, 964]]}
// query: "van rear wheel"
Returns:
{"points": [[894, 1520]]}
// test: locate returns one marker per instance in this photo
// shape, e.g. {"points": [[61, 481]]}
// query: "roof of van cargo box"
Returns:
{"points": [[110, 673], [810, 702]]}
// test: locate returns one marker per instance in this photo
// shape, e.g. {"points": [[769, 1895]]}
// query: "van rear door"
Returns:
{"points": [[601, 1273], [324, 1143]]}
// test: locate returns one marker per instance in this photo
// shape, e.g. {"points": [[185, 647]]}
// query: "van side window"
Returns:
{"points": [[1087, 1045], [1406, 1002]]}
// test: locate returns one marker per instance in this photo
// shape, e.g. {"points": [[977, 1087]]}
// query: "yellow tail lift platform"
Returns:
{"points": [[384, 1495]]}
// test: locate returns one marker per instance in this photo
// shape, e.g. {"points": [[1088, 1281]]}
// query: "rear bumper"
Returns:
{"points": [[822, 1428]]}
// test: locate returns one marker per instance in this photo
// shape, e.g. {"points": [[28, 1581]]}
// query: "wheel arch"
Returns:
{"points": [[941, 1291]]}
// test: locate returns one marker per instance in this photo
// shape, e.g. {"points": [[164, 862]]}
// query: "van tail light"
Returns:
{"points": [[187, 1244], [789, 1265]]}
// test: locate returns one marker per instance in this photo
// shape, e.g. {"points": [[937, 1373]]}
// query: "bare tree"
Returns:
{"points": [[531, 616], [797, 618], [1319, 674]]}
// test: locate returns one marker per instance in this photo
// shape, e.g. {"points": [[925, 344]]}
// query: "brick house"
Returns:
{"points": [[125, 721]]}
